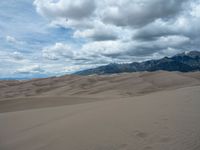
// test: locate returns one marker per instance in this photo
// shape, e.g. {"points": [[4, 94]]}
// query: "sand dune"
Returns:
{"points": [[159, 121], [120, 84], [49, 92], [137, 111]]}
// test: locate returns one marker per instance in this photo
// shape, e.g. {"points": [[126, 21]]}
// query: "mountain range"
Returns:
{"points": [[183, 62]]}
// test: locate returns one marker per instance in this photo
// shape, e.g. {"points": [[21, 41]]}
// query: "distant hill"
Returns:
{"points": [[183, 62]]}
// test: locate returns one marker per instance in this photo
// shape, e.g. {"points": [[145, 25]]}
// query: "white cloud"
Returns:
{"points": [[100, 32], [59, 50], [12, 63], [195, 12], [17, 55], [103, 47], [76, 9], [138, 13], [134, 13], [11, 39], [32, 69], [174, 40]]}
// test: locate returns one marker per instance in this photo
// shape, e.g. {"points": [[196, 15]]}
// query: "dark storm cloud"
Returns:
{"points": [[153, 31], [136, 14], [103, 37]]}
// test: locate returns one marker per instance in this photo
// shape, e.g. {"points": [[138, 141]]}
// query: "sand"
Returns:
{"points": [[139, 111]]}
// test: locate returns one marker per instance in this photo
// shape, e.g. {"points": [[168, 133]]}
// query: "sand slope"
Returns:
{"points": [[158, 121], [49, 92], [120, 84], [137, 111]]}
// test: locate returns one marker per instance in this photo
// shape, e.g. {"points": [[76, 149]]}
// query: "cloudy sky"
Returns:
{"points": [[54, 37]]}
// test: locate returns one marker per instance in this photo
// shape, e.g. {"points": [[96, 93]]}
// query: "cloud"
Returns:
{"points": [[155, 30], [124, 30], [100, 32], [11, 39], [60, 36], [163, 43], [133, 13], [139, 13], [90, 54], [33, 69], [59, 50], [14, 64], [17, 55], [195, 9], [76, 9]]}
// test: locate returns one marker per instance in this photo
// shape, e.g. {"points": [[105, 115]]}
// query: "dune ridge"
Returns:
{"points": [[157, 121], [72, 89], [122, 84], [130, 111]]}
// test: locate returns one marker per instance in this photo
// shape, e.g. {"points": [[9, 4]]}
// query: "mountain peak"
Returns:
{"points": [[183, 62], [190, 54]]}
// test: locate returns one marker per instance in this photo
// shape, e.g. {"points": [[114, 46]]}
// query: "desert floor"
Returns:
{"points": [[139, 111]]}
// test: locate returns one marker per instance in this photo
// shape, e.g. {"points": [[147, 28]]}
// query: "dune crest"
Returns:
{"points": [[71, 89], [120, 84]]}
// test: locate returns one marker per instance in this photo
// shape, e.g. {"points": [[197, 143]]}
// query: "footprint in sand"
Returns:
{"points": [[141, 134]]}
